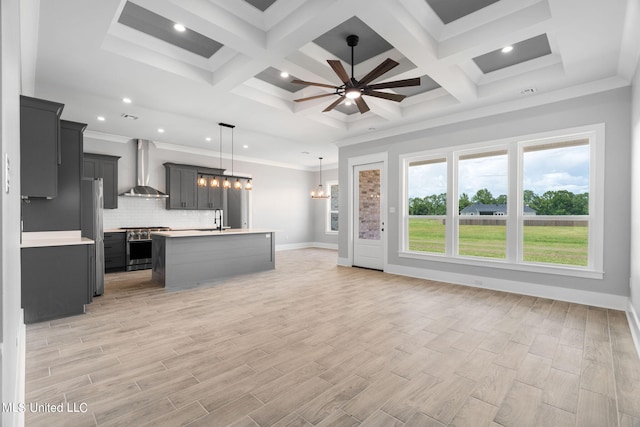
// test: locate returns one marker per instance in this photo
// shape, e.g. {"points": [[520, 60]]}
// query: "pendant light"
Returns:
{"points": [[319, 193], [226, 183], [248, 185], [202, 181]]}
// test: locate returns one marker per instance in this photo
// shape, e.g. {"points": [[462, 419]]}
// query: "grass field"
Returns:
{"points": [[550, 244]]}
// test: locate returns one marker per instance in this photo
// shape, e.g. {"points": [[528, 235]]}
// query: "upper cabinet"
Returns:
{"points": [[105, 167], [182, 187], [62, 212], [40, 151]]}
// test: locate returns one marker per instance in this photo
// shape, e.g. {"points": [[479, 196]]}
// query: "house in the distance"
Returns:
{"points": [[491, 209]]}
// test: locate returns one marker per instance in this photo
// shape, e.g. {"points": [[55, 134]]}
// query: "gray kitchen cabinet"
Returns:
{"points": [[114, 252], [105, 167], [209, 197], [40, 152], [182, 187], [63, 212], [56, 281]]}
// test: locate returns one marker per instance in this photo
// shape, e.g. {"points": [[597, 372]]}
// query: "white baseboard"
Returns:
{"points": [[321, 245], [292, 246], [577, 296], [306, 245], [344, 262], [634, 325]]}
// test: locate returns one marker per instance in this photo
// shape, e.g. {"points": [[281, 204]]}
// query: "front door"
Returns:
{"points": [[368, 226]]}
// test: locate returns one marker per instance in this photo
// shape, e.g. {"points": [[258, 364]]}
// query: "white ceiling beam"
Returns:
{"points": [[397, 26]]}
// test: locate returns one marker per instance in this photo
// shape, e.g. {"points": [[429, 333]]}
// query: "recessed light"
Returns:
{"points": [[507, 49], [284, 74], [245, 146], [160, 130], [126, 100], [179, 27], [100, 118], [208, 139]]}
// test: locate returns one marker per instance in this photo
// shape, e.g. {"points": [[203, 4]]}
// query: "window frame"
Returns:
{"points": [[514, 216], [328, 212]]}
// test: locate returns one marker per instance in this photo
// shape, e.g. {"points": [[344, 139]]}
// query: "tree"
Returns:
{"points": [[500, 200], [463, 202], [483, 196]]}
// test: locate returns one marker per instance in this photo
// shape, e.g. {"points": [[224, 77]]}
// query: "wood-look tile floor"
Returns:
{"points": [[311, 343]]}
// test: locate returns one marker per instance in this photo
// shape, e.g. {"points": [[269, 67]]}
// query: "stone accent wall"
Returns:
{"points": [[369, 209]]}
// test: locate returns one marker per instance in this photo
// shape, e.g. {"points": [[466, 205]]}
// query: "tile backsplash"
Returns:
{"points": [[139, 212]]}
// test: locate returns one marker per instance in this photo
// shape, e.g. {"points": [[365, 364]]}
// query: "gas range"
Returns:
{"points": [[141, 233]]}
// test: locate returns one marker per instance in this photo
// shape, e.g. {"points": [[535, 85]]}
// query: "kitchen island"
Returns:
{"points": [[185, 258]]}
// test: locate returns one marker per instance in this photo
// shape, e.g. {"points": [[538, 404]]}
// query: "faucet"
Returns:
{"points": [[217, 219]]}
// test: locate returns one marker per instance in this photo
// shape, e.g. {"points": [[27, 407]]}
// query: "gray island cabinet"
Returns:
{"points": [[187, 258]]}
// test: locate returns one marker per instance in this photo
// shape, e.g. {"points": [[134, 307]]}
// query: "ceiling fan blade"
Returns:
{"points": [[302, 82], [387, 64], [339, 70], [385, 95], [334, 104], [396, 83], [362, 106], [309, 98]]}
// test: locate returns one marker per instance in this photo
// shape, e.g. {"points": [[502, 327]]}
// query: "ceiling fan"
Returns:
{"points": [[354, 89]]}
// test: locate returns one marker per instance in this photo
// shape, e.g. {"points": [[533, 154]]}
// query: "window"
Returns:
{"points": [[482, 189], [427, 204], [528, 204], [555, 202], [332, 207]]}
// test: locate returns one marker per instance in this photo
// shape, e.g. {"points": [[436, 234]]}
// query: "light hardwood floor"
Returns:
{"points": [[311, 343]]}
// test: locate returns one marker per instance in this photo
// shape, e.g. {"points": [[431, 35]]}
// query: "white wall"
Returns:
{"points": [[611, 108], [634, 281], [12, 330], [280, 198]]}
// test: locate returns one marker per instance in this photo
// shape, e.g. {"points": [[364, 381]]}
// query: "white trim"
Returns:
{"points": [[344, 262], [306, 245], [18, 394], [559, 269], [634, 325], [292, 246], [106, 136], [321, 245], [328, 211], [597, 299]]}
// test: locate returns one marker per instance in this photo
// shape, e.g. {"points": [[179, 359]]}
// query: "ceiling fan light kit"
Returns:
{"points": [[353, 89]]}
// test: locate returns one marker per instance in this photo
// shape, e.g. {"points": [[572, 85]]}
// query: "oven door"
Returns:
{"points": [[138, 254]]}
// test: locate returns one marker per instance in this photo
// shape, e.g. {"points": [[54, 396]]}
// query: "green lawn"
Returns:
{"points": [[551, 244]]}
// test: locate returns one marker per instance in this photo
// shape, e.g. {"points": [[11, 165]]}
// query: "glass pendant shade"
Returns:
{"points": [[248, 185], [226, 183], [318, 192], [215, 182], [202, 181], [237, 185]]}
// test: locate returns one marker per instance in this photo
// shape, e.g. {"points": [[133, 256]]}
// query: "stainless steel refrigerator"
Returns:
{"points": [[91, 227]]}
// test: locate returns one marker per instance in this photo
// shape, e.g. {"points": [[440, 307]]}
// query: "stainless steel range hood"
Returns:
{"points": [[142, 171]]}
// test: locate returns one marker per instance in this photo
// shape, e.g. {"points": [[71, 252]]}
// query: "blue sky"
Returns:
{"points": [[564, 168]]}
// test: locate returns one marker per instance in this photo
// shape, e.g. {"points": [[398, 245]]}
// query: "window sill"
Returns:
{"points": [[505, 265], [331, 233]]}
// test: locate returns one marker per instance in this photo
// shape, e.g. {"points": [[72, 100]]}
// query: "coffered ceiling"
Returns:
{"points": [[226, 64]]}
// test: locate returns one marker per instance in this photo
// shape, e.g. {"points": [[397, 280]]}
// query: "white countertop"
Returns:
{"points": [[211, 232], [39, 239]]}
